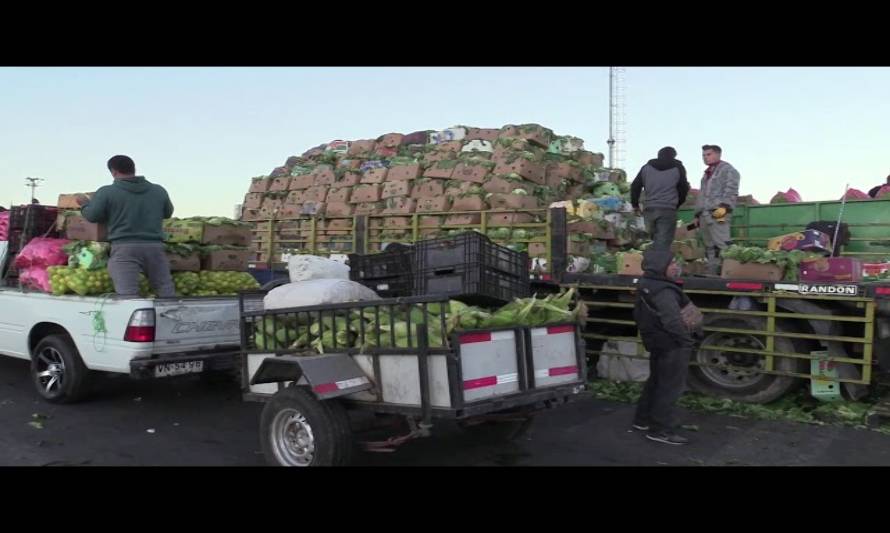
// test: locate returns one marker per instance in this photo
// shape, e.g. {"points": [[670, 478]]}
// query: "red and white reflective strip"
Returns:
{"points": [[485, 336], [556, 371], [490, 381], [553, 330], [340, 385]]}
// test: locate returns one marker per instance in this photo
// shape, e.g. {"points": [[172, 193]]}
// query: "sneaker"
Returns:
{"points": [[666, 437], [640, 427]]}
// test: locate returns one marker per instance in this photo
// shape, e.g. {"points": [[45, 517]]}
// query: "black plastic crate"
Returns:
{"points": [[471, 249], [471, 284], [395, 287], [17, 216], [396, 261], [16, 242], [389, 273], [36, 220]]}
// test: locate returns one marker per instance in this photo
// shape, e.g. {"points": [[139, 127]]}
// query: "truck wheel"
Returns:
{"points": [[296, 429], [57, 370], [747, 384]]}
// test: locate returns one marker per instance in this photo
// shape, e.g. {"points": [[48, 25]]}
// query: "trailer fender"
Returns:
{"points": [[835, 348], [327, 376]]}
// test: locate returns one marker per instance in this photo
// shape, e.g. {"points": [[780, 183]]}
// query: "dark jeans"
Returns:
{"points": [[667, 379], [661, 225], [130, 259]]}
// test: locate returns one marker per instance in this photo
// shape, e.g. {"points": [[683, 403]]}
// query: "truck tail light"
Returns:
{"points": [[141, 327], [741, 286]]}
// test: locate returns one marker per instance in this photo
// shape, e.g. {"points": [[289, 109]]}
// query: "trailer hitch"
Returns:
{"points": [[416, 430]]}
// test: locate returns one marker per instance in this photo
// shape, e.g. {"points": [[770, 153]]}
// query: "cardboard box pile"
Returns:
{"points": [[451, 174]]}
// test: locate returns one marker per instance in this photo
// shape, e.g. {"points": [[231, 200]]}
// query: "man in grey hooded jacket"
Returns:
{"points": [[716, 201], [664, 181]]}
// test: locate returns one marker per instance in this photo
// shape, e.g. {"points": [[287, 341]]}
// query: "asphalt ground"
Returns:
{"points": [[187, 422]]}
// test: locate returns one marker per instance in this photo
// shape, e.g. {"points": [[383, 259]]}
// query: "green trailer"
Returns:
{"points": [[868, 220], [763, 339]]}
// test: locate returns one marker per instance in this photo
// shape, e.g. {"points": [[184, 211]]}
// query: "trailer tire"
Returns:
{"points": [[297, 429], [57, 370], [344, 427], [744, 386]]}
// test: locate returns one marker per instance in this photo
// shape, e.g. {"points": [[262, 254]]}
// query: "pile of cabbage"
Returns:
{"points": [[398, 326], [789, 261]]}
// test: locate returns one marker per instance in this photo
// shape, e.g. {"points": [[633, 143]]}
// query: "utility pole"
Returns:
{"points": [[33, 183]]}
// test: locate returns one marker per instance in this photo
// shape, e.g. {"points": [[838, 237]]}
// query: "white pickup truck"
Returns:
{"points": [[146, 338]]}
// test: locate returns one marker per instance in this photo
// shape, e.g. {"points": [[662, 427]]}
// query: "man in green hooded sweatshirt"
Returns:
{"points": [[133, 209]]}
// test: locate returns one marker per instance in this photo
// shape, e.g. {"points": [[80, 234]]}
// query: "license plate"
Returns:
{"points": [[179, 369]]}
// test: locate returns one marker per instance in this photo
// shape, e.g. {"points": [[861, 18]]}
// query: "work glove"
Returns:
{"points": [[719, 214]]}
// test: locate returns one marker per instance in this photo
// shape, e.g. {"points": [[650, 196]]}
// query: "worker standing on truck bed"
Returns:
{"points": [[666, 186], [716, 201], [133, 210]]}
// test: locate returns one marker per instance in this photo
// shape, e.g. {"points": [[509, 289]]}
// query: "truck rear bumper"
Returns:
{"points": [[183, 364]]}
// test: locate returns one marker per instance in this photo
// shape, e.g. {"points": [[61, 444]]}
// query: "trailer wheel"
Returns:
{"points": [[747, 384], [58, 372], [341, 416], [297, 429]]}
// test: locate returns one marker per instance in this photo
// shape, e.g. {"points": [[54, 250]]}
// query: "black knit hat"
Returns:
{"points": [[656, 262], [667, 152]]}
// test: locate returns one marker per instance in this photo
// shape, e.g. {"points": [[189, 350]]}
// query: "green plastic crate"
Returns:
{"points": [[826, 389]]}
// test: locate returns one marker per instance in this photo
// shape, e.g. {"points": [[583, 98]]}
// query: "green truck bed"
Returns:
{"points": [[869, 222]]}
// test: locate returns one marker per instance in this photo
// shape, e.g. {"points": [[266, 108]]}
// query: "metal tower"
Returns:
{"points": [[616, 117]]}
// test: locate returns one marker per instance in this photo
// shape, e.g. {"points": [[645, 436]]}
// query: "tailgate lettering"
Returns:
{"points": [[203, 327]]}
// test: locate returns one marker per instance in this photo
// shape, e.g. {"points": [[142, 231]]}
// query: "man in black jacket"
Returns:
{"points": [[665, 336], [666, 186]]}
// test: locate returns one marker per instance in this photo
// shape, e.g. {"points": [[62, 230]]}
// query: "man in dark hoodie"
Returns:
{"points": [[669, 343], [666, 186], [133, 209]]}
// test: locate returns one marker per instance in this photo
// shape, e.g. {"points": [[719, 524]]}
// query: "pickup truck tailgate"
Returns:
{"points": [[193, 324]]}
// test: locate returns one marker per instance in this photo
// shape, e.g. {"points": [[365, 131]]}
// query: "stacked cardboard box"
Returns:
{"points": [[219, 245], [451, 174]]}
